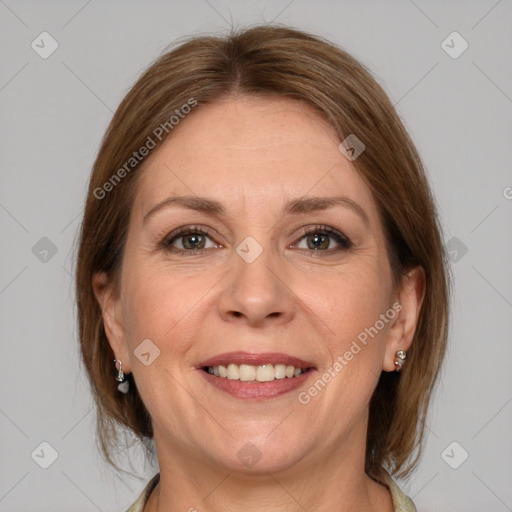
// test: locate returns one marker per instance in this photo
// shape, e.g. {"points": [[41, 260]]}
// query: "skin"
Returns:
{"points": [[254, 155]]}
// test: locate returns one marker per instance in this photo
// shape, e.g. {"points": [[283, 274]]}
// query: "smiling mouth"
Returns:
{"points": [[255, 374]]}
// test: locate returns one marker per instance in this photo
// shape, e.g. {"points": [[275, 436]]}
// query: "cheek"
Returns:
{"points": [[351, 307], [350, 300], [159, 303]]}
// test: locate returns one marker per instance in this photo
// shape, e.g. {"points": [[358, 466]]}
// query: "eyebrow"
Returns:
{"points": [[295, 206]]}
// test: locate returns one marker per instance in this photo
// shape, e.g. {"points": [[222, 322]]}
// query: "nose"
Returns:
{"points": [[257, 293]]}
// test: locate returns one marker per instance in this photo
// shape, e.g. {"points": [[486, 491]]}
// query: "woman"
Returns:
{"points": [[261, 280]]}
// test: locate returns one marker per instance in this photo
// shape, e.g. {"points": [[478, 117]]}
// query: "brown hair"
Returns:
{"points": [[290, 63]]}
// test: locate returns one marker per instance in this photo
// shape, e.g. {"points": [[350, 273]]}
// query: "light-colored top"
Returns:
{"points": [[401, 502]]}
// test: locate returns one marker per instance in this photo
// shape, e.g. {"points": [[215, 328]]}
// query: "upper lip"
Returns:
{"points": [[255, 359]]}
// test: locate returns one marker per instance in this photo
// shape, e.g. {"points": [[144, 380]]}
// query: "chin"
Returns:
{"points": [[260, 455]]}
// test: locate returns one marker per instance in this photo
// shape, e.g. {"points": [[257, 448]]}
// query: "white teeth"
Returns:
{"points": [[265, 373], [247, 372], [250, 373], [233, 372], [280, 370]]}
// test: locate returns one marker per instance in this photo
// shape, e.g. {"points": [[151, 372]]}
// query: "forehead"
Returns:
{"points": [[250, 151]]}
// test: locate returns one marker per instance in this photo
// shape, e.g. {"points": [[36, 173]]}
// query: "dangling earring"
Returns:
{"points": [[124, 384], [400, 357]]}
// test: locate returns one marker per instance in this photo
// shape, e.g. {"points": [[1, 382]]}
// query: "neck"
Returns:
{"points": [[321, 483]]}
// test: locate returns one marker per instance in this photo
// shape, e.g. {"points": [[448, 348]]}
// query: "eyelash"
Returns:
{"points": [[339, 237]]}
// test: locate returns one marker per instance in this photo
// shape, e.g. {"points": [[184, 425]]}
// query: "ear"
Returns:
{"points": [[401, 333], [113, 322]]}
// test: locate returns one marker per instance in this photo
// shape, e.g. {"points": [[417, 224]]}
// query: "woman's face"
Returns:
{"points": [[280, 278]]}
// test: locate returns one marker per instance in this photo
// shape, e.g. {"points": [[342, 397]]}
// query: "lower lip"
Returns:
{"points": [[257, 391]]}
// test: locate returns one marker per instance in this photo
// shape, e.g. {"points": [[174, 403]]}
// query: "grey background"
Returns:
{"points": [[54, 112]]}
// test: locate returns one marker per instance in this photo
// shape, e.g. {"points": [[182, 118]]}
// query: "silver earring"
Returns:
{"points": [[400, 357], [124, 384]]}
